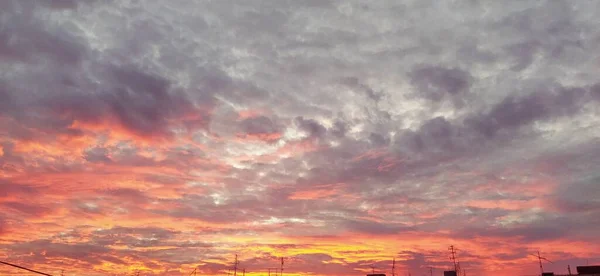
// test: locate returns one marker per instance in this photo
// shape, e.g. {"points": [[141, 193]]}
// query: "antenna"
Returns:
{"points": [[372, 269], [281, 273], [235, 264], [453, 257], [431, 270], [540, 258], [394, 267], [569, 268]]}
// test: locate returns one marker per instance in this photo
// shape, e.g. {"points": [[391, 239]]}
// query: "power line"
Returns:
{"points": [[24, 268]]}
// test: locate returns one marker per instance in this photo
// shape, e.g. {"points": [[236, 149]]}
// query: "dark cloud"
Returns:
{"points": [[526, 233], [262, 128], [434, 136], [513, 112], [581, 196], [27, 209], [259, 125], [142, 102], [64, 4], [26, 38], [8, 188], [313, 128], [97, 155], [354, 83], [595, 91], [128, 195], [143, 232], [436, 83], [88, 252], [375, 228]]}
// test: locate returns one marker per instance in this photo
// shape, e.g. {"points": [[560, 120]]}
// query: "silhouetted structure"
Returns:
{"points": [[453, 258], [540, 258], [450, 273], [375, 274], [590, 270]]}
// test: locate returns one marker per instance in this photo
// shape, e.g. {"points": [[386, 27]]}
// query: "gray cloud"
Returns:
{"points": [[372, 111], [436, 83]]}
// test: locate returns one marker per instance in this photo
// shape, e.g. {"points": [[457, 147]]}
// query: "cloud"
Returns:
{"points": [[166, 136], [376, 228], [577, 197], [261, 128], [435, 83], [543, 104], [27, 209]]}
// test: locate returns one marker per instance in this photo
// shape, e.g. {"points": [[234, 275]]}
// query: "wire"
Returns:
{"points": [[24, 268]]}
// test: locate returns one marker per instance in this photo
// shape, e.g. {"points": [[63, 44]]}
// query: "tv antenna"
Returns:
{"points": [[235, 265], [453, 257], [540, 258]]}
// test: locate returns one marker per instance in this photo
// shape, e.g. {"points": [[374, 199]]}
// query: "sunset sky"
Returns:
{"points": [[165, 135]]}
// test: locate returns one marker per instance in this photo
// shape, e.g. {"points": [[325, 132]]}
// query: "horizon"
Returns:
{"points": [[167, 136]]}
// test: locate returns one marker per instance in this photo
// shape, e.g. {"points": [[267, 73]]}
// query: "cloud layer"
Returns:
{"points": [[162, 136]]}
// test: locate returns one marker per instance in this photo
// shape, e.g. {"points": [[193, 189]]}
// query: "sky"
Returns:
{"points": [[163, 136]]}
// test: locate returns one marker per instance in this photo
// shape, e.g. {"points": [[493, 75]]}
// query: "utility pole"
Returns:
{"points": [[394, 267], [569, 268], [431, 271], [235, 264], [244, 272], [372, 269], [540, 259], [281, 273], [453, 257]]}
